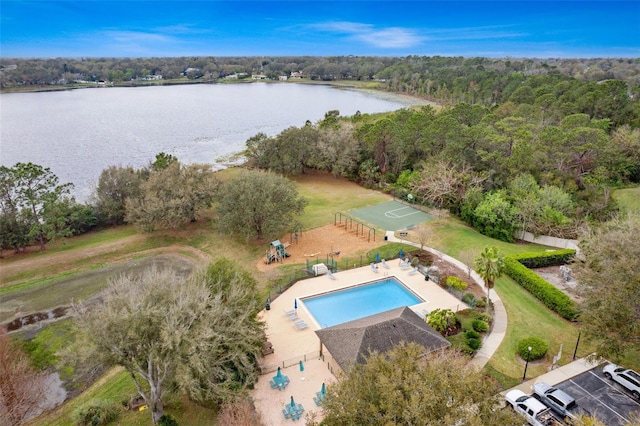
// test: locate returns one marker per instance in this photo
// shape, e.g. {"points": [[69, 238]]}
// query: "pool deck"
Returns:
{"points": [[292, 345]]}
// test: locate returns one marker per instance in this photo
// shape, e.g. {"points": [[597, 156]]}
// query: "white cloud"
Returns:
{"points": [[391, 37], [473, 33]]}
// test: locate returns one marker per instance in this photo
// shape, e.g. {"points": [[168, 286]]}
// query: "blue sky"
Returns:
{"points": [[145, 28]]}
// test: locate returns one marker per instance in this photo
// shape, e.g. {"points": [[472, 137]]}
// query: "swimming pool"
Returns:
{"points": [[341, 306]]}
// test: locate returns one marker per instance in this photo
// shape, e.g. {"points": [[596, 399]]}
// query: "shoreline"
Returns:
{"points": [[354, 85]]}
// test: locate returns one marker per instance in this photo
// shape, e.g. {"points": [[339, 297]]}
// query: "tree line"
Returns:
{"points": [[35, 208], [513, 167], [484, 81]]}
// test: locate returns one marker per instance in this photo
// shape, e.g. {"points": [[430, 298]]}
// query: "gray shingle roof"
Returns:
{"points": [[352, 341]]}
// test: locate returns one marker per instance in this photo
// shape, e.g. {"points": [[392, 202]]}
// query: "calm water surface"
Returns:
{"points": [[358, 302], [79, 133]]}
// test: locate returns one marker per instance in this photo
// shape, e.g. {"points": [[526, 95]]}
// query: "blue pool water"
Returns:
{"points": [[369, 299]]}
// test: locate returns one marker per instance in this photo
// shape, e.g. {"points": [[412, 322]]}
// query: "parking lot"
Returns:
{"points": [[602, 398]]}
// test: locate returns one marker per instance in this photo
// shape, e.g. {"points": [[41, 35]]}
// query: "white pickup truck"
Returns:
{"points": [[536, 413]]}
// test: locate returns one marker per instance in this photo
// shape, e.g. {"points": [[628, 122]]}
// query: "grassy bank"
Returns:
{"points": [[628, 199]]}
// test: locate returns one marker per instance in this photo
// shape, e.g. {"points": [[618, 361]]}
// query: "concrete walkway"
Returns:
{"points": [[557, 375], [494, 338]]}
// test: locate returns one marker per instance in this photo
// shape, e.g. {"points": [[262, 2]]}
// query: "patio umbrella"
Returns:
{"points": [[323, 390], [302, 369], [400, 255], [293, 403], [295, 303], [377, 257], [279, 374]]}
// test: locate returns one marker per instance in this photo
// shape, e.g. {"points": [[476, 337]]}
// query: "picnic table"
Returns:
{"points": [[279, 382], [293, 412]]}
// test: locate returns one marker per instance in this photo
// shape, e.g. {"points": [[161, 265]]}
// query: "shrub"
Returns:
{"points": [[441, 319], [481, 303], [553, 298], [485, 317], [469, 299], [443, 281], [167, 420], [539, 348], [472, 334], [474, 343], [480, 326], [543, 259], [456, 283], [99, 413]]}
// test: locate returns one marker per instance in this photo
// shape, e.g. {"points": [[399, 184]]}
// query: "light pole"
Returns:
{"points": [[526, 364]]}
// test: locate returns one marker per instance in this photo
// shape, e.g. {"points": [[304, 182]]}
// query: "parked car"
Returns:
{"points": [[536, 413], [629, 379], [560, 401]]}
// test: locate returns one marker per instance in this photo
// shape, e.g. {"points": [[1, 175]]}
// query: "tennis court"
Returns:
{"points": [[391, 216]]}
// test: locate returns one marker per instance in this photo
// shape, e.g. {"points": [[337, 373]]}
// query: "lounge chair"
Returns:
{"points": [[413, 271], [317, 401], [293, 317], [301, 325], [385, 264], [330, 274], [273, 385], [374, 268], [286, 414], [290, 312], [405, 265]]}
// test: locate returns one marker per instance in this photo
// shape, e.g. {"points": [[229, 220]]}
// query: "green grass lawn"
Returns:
{"points": [[328, 195], [628, 198], [454, 237], [528, 317]]}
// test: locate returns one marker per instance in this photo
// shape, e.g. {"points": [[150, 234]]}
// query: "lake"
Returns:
{"points": [[78, 133]]}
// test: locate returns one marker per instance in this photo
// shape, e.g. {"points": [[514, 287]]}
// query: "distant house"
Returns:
{"points": [[353, 341], [283, 78], [297, 75], [258, 77]]}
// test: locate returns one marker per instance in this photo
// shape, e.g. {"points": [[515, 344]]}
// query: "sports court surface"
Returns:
{"points": [[391, 216]]}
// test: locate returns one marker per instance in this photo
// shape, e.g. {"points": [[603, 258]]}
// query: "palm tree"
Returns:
{"points": [[490, 265]]}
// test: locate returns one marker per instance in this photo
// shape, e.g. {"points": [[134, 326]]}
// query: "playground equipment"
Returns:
{"points": [[276, 252], [349, 223]]}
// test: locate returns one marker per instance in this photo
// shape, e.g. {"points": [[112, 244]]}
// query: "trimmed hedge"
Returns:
{"points": [[543, 259], [553, 298]]}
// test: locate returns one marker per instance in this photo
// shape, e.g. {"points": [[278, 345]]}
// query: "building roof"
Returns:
{"points": [[352, 341]]}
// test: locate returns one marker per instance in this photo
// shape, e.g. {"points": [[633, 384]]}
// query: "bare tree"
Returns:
{"points": [[423, 233], [468, 256], [22, 388], [446, 184]]}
